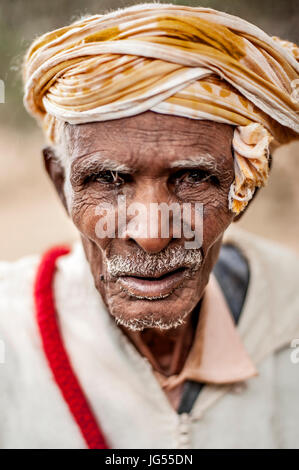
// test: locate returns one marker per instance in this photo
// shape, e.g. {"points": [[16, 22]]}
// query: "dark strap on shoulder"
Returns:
{"points": [[232, 273]]}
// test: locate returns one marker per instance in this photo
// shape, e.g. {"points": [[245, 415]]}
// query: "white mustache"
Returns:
{"points": [[145, 264]]}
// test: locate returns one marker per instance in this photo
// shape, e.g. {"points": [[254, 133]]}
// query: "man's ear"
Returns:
{"points": [[238, 217], [56, 173]]}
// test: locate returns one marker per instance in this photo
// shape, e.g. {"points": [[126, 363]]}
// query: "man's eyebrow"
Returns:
{"points": [[96, 162], [204, 161]]}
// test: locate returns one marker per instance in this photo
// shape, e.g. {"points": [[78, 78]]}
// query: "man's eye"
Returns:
{"points": [[106, 177], [195, 177]]}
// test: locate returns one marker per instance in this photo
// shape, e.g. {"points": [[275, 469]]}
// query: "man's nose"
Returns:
{"points": [[155, 231], [152, 245]]}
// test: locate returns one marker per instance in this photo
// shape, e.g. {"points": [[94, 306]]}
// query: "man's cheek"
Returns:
{"points": [[216, 219], [84, 216]]}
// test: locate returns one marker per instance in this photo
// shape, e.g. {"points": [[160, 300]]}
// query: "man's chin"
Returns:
{"points": [[150, 321], [163, 314]]}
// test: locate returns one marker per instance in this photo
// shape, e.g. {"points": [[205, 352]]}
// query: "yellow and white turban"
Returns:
{"points": [[193, 62]]}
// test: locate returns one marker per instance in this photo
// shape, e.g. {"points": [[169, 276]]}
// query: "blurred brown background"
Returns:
{"points": [[31, 216]]}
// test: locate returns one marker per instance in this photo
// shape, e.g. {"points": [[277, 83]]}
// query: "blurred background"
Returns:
{"points": [[31, 217]]}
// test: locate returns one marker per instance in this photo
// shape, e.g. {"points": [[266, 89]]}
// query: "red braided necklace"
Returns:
{"points": [[56, 353]]}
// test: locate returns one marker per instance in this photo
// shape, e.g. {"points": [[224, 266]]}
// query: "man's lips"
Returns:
{"points": [[153, 287]]}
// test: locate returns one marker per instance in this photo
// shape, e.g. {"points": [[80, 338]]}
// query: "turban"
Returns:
{"points": [[197, 63]]}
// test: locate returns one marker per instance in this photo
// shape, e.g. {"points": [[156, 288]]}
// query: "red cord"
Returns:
{"points": [[56, 353]]}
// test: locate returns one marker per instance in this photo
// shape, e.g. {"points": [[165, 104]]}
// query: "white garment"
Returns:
{"points": [[119, 383]]}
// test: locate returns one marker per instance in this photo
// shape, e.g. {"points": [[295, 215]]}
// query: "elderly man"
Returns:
{"points": [[134, 337]]}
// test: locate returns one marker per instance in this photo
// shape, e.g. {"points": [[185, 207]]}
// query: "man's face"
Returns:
{"points": [[149, 281]]}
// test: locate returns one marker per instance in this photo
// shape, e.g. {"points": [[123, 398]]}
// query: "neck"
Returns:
{"points": [[166, 350]]}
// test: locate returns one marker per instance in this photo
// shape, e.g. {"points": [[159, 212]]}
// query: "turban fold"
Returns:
{"points": [[192, 62]]}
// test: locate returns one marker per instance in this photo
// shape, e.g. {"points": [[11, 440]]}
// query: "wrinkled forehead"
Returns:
{"points": [[149, 139]]}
